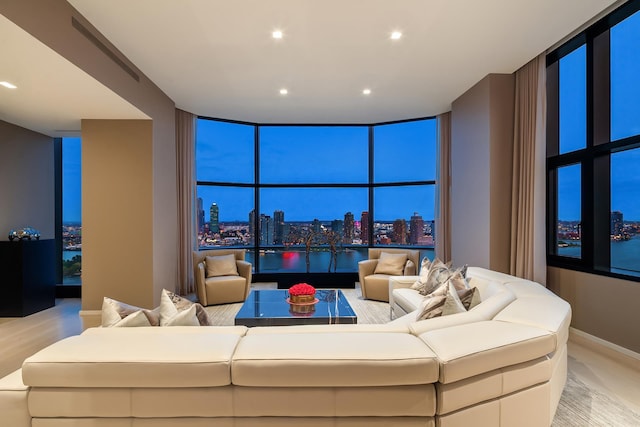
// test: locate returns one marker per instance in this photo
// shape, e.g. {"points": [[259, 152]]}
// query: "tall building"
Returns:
{"points": [[278, 224], [266, 230], [400, 231], [214, 224], [316, 226], [416, 229], [337, 225], [252, 226], [348, 228], [364, 227], [617, 223], [200, 215]]}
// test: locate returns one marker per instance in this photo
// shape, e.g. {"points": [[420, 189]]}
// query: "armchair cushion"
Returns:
{"points": [[392, 264], [221, 265]]}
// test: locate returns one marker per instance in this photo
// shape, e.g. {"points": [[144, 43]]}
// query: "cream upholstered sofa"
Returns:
{"points": [[503, 363]]}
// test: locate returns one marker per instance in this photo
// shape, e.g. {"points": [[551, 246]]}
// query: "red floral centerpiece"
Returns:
{"points": [[302, 293], [302, 299]]}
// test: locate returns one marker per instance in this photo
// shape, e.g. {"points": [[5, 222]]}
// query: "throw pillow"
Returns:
{"points": [[137, 318], [438, 274], [171, 305], [425, 265], [115, 312], [469, 297], [433, 304], [392, 264], [452, 303], [221, 265]]}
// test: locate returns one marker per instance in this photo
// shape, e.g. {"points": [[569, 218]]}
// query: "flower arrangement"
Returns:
{"points": [[302, 289], [302, 293]]}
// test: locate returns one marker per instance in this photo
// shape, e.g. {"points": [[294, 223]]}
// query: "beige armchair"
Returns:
{"points": [[374, 273], [218, 282]]}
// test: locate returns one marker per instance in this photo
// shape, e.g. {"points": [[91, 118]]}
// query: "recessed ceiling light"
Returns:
{"points": [[366, 91], [283, 91], [8, 85], [277, 34], [396, 35]]}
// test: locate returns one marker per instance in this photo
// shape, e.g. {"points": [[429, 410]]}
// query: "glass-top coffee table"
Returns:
{"points": [[269, 307]]}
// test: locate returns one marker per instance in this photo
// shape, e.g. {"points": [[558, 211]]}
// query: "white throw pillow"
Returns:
{"points": [[173, 308], [114, 311], [133, 320]]}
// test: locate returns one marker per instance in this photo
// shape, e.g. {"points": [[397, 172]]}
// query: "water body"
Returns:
{"points": [[625, 255]]}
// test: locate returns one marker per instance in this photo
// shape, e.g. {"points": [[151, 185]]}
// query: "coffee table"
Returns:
{"points": [[269, 307]]}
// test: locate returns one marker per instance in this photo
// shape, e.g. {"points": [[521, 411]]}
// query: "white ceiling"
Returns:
{"points": [[217, 58], [52, 95]]}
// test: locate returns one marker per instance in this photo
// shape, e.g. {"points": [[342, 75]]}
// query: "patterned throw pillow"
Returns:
{"points": [[178, 311], [119, 314], [433, 304], [425, 265], [469, 297]]}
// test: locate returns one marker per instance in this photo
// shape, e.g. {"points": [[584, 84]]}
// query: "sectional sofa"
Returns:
{"points": [[503, 363]]}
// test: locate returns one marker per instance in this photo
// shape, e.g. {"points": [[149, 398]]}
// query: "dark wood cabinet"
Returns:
{"points": [[27, 277]]}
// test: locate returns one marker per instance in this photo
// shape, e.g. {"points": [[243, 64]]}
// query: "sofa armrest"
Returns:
{"points": [[13, 401], [244, 270], [409, 268], [396, 282], [200, 288]]}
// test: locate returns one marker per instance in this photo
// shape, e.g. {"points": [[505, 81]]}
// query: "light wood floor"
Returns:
{"points": [[21, 337]]}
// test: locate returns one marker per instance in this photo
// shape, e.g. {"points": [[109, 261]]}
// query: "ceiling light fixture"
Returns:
{"points": [[8, 85], [283, 91], [396, 35], [366, 91], [277, 34]]}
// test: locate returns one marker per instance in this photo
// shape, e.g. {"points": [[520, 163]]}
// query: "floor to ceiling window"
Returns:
{"points": [[593, 148], [315, 197], [71, 211]]}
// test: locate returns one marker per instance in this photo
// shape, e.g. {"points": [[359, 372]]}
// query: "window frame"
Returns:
{"points": [[369, 185], [595, 157]]}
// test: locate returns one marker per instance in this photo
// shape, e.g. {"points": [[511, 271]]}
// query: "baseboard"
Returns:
{"points": [[614, 351]]}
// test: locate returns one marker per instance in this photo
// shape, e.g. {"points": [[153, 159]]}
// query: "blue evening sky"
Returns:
{"points": [[71, 180]]}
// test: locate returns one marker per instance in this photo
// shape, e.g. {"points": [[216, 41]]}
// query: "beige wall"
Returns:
{"points": [[50, 22], [602, 306], [117, 211], [27, 192], [481, 151]]}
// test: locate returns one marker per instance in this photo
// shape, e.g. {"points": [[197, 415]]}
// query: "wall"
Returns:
{"points": [[27, 193], [481, 158], [51, 23], [602, 306]]}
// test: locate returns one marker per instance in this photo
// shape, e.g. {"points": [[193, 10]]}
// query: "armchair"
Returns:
{"points": [[374, 275], [219, 282]]}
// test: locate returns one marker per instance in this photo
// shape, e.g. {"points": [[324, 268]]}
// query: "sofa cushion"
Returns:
{"points": [[475, 348], [546, 312], [135, 357], [333, 328], [392, 264], [408, 299], [333, 360]]}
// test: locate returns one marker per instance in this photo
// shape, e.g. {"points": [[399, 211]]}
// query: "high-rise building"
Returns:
{"points": [[266, 230], [252, 226], [278, 224], [416, 229], [617, 223], [348, 228], [400, 231], [316, 226], [214, 224], [337, 225], [200, 215], [364, 227]]}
